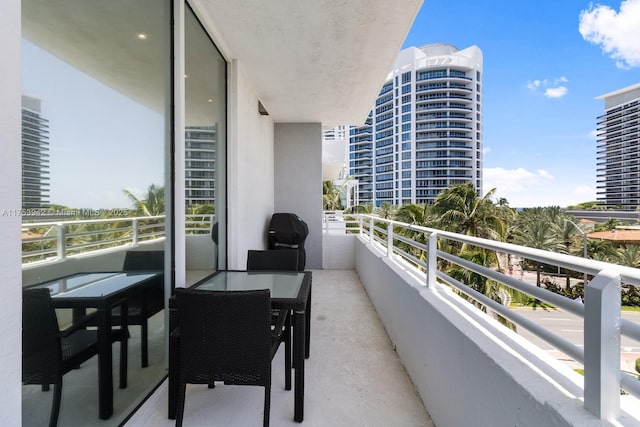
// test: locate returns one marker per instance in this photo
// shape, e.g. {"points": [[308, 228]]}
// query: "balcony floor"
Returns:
{"points": [[353, 376]]}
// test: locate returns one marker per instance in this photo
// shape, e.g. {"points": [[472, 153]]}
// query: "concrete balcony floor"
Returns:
{"points": [[353, 376]]}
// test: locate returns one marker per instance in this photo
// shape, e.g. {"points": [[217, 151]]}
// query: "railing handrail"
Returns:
{"points": [[600, 311], [131, 231]]}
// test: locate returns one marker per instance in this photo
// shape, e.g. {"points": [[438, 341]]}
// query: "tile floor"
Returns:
{"points": [[353, 376]]}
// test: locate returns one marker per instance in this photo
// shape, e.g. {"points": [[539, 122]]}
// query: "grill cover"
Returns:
{"points": [[289, 231]]}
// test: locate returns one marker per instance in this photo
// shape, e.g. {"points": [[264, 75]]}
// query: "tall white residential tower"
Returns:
{"points": [[618, 152], [425, 131]]}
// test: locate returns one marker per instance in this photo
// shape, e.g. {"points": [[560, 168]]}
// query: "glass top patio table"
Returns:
{"points": [[281, 284], [93, 285], [101, 291]]}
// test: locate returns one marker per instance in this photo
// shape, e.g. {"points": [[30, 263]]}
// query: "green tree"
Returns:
{"points": [[330, 196], [538, 233], [386, 210], [628, 255], [365, 208], [459, 209], [152, 204]]}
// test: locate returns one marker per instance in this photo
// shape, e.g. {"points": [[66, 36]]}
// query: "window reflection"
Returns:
{"points": [[96, 89], [205, 134]]}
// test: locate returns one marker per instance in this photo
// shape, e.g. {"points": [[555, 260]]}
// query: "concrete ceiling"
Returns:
{"points": [[313, 61], [310, 61]]}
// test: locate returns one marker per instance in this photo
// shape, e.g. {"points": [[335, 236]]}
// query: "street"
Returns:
{"points": [[570, 327]]}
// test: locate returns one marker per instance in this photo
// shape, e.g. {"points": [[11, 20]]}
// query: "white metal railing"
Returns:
{"points": [[603, 323], [55, 240]]}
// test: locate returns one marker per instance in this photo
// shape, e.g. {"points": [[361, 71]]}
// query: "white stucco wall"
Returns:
{"points": [[298, 180], [338, 251], [250, 169], [10, 198], [469, 370]]}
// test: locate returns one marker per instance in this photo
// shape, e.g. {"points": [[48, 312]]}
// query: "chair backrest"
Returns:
{"points": [[275, 260], [225, 336], [41, 345], [143, 261]]}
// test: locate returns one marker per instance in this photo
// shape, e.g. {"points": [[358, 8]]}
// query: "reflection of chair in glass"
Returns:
{"points": [[274, 260], [141, 308], [146, 304], [48, 353], [225, 336]]}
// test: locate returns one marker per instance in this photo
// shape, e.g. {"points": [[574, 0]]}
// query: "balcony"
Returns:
{"points": [[393, 343]]}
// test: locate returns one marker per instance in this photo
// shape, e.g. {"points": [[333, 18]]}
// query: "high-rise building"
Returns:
{"points": [[200, 167], [618, 150], [35, 155], [425, 131]]}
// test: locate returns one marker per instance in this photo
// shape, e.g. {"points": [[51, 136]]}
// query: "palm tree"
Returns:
{"points": [[365, 208], [330, 196], [539, 234], [386, 210], [152, 205], [628, 255], [460, 210]]}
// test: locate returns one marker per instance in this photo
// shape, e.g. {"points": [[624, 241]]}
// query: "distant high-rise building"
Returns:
{"points": [[618, 150], [425, 130], [200, 168], [35, 155]]}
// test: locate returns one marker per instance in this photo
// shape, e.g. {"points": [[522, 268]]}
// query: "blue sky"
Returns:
{"points": [[545, 62]]}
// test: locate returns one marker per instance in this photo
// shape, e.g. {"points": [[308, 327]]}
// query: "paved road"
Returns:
{"points": [[570, 327]]}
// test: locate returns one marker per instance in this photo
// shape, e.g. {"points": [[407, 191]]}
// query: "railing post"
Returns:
{"points": [[62, 241], [389, 240], [602, 345], [371, 239], [134, 231], [432, 265]]}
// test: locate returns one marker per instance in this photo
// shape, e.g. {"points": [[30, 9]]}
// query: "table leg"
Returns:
{"points": [[299, 333], [307, 329], [105, 371], [124, 344]]}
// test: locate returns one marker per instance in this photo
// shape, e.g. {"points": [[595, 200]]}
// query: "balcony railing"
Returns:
{"points": [[417, 248], [55, 240]]}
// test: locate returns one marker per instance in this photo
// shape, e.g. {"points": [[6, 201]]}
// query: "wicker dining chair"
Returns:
{"points": [[143, 306], [274, 260], [151, 302], [48, 353], [225, 336]]}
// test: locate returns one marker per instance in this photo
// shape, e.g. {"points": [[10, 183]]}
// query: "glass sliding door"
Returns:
{"points": [[96, 114], [205, 146]]}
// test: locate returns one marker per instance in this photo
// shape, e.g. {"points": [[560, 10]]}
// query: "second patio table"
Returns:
{"points": [[289, 291]]}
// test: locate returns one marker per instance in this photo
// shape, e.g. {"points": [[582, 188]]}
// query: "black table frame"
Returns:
{"points": [[103, 305], [300, 307]]}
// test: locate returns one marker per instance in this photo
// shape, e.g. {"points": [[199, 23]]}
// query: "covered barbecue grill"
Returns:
{"points": [[289, 231]]}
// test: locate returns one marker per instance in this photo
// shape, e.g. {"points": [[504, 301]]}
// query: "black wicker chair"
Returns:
{"points": [[225, 336], [48, 353], [142, 307], [274, 260], [152, 301]]}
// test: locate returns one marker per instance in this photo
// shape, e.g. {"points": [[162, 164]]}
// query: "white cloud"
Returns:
{"points": [[523, 188], [486, 150], [513, 180], [617, 33], [552, 88], [585, 192], [556, 92], [534, 85]]}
